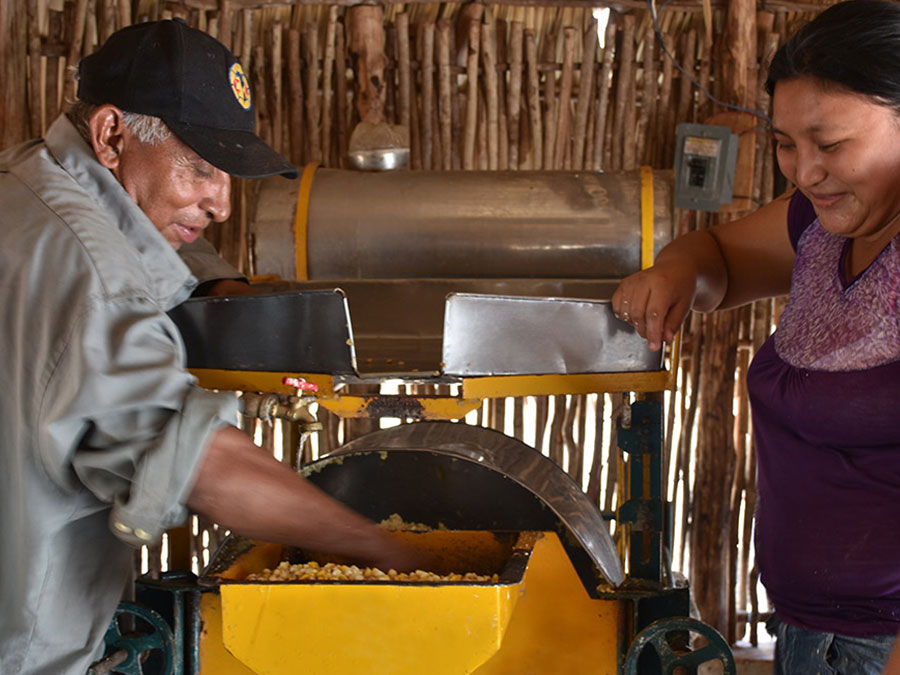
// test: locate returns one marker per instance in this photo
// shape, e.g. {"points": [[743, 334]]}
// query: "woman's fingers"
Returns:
{"points": [[654, 304]]}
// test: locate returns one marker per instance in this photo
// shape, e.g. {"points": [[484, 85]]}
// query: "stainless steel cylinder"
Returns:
{"points": [[458, 224]]}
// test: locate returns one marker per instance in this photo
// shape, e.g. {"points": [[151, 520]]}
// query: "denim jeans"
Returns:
{"points": [[805, 652]]}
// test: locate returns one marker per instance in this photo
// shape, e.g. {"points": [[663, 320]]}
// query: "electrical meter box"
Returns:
{"points": [[705, 158]]}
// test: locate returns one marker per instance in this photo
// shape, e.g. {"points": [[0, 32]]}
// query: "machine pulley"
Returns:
{"points": [[135, 635], [669, 638]]}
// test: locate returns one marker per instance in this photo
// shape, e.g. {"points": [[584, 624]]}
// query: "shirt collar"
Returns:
{"points": [[171, 280]]}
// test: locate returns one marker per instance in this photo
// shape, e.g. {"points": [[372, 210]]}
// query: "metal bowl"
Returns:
{"points": [[386, 159]]}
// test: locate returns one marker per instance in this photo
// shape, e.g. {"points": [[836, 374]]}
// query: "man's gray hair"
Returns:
{"points": [[147, 129]]}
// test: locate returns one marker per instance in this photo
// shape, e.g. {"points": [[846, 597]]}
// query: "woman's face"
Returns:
{"points": [[842, 151]]}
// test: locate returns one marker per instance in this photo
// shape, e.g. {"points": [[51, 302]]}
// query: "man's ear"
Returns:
{"points": [[107, 128]]}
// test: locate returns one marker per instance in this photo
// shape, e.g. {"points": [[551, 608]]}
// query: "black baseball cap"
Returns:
{"points": [[193, 83]]}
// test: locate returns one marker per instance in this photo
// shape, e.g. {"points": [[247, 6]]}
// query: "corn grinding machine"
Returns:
{"points": [[497, 285]]}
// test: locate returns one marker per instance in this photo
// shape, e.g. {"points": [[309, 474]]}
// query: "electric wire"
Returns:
{"points": [[662, 43]]}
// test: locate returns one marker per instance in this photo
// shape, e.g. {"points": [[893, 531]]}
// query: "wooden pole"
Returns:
{"points": [[663, 127], [514, 94], [603, 88], [444, 88], [623, 128], [35, 90], [313, 123], [540, 418], [327, 84], [471, 124], [704, 104], [502, 59], [427, 62], [534, 101], [696, 372], [585, 93], [276, 59], [711, 559], [367, 44], [73, 56], [437, 158], [108, 11], [415, 119], [391, 73], [647, 117], [595, 478], [55, 65], [686, 88], [557, 442], [225, 23], [469, 12], [612, 452], [550, 111], [295, 96], [247, 39], [739, 52], [124, 13], [481, 154], [404, 68], [456, 114], [260, 94], [565, 99], [575, 438], [340, 87], [489, 50], [90, 29]]}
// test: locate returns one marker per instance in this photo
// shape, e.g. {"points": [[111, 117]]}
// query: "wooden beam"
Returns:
{"points": [[618, 5]]}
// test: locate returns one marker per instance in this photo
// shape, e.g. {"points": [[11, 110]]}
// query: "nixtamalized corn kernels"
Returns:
{"points": [[312, 571]]}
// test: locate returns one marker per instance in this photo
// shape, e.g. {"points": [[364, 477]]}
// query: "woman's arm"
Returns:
{"points": [[726, 266]]}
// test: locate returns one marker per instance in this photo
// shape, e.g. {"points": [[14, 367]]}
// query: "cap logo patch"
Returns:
{"points": [[239, 85]]}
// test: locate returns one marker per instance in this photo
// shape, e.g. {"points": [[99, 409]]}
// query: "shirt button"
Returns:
{"points": [[122, 527]]}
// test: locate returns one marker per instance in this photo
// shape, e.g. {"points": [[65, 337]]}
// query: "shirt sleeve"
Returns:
{"points": [[123, 418], [801, 215], [205, 262]]}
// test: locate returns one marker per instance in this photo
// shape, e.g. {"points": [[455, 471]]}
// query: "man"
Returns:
{"points": [[105, 440]]}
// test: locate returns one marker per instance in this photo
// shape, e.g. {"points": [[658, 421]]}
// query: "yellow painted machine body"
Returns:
{"points": [[537, 620]]}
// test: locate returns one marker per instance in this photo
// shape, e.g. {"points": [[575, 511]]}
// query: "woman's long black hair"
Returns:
{"points": [[853, 44]]}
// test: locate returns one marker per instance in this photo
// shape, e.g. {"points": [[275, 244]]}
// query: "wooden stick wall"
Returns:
{"points": [[501, 87]]}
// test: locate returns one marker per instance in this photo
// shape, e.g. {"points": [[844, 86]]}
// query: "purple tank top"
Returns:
{"points": [[825, 394]]}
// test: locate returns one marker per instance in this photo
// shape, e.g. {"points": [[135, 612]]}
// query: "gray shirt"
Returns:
{"points": [[205, 262], [101, 427]]}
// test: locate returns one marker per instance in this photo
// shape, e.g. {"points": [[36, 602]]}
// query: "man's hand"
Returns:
{"points": [[247, 490]]}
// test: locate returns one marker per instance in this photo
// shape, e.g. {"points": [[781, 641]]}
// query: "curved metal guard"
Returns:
{"points": [[519, 462], [659, 636]]}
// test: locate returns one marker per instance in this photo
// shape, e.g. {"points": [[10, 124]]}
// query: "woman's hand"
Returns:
{"points": [[729, 265], [656, 300]]}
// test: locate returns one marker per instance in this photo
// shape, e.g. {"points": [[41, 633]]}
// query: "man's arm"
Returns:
{"points": [[245, 489]]}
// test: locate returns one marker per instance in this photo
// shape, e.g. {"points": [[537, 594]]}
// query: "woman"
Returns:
{"points": [[824, 387]]}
